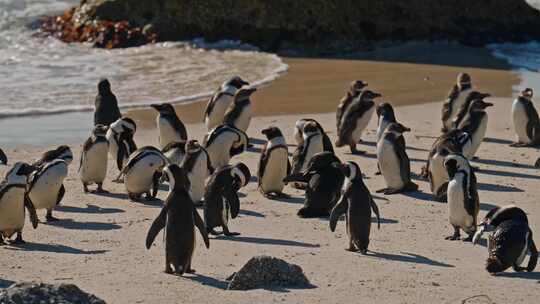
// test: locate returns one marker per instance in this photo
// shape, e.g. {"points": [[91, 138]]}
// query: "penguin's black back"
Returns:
{"points": [[322, 193], [180, 228], [506, 244], [359, 213]]}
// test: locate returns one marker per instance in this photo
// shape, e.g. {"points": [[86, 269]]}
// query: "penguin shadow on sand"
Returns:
{"points": [[223, 284], [53, 248], [267, 241], [502, 163], [521, 275], [74, 225], [507, 174], [498, 188], [407, 257], [90, 209], [494, 140], [374, 144], [6, 283]]}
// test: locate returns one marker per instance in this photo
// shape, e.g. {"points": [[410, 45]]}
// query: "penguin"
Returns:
{"points": [[3, 158], [463, 201], [463, 112], [324, 183], [355, 89], [94, 158], [13, 201], [45, 186], [313, 144], [355, 120], [510, 242], [394, 161], [198, 166], [179, 218], [220, 102], [475, 125], [62, 152], [274, 164], [142, 172], [223, 143], [221, 199], [170, 127], [455, 100], [175, 152], [239, 115], [299, 133], [121, 144], [106, 105], [525, 120], [356, 203]]}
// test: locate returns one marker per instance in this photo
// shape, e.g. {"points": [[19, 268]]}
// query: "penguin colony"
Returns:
{"points": [[201, 174]]}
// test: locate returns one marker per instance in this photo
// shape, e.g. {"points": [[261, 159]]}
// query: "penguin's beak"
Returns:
{"points": [[265, 131], [156, 106], [406, 130], [488, 104], [243, 82], [375, 95], [486, 95]]}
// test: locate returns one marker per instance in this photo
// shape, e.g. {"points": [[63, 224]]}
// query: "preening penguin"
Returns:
{"points": [[221, 199], [299, 133], [355, 119], [13, 201], [240, 113], [94, 157], [475, 124], [175, 152], [220, 102], [354, 90], [394, 162], [45, 186], [463, 201], [142, 172], [274, 164], [313, 144], [62, 152], [525, 120], [456, 98], [223, 143], [121, 144], [356, 203], [179, 218], [198, 166], [107, 110], [170, 127]]}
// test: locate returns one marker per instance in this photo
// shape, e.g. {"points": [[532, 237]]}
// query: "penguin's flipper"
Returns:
{"points": [[3, 158], [232, 200], [327, 143], [534, 253], [289, 167], [211, 168], [31, 211], [376, 211], [157, 225], [202, 229], [263, 160], [338, 210], [155, 183], [120, 155], [61, 194]]}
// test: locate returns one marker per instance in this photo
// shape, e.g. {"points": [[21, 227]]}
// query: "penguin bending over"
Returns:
{"points": [[355, 119], [46, 188], [475, 125], [121, 144], [220, 102], [107, 111], [511, 241], [324, 183], [299, 133], [455, 100], [179, 218], [62, 152], [142, 172], [354, 90], [198, 166], [356, 203], [221, 199], [313, 144], [525, 120], [394, 161], [175, 152], [239, 115], [463, 201], [13, 201], [94, 158], [170, 127], [223, 143], [274, 164]]}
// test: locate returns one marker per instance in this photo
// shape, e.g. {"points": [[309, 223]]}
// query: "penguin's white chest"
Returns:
{"points": [[219, 149], [478, 137], [94, 163], [113, 145], [315, 145], [361, 124], [44, 191], [275, 171], [12, 211], [139, 179], [383, 123], [457, 213], [197, 177], [520, 120], [439, 175], [167, 133], [215, 117], [389, 163], [242, 122], [524, 251], [175, 156]]}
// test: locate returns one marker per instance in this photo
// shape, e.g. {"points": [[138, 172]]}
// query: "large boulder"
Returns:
{"points": [[22, 293]]}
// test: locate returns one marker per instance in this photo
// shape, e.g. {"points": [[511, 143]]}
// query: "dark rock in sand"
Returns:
{"points": [[22, 293], [266, 271]]}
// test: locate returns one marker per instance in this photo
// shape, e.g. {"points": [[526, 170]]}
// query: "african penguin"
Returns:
{"points": [[13, 201], [394, 161], [463, 201], [106, 111], [274, 164], [170, 127], [224, 142], [198, 167], [355, 119], [355, 89], [179, 218], [299, 133], [121, 144], [220, 102], [221, 201], [313, 144], [463, 111], [525, 120], [356, 203], [240, 112], [475, 125], [62, 152], [94, 157], [455, 100], [142, 172], [45, 186], [175, 152]]}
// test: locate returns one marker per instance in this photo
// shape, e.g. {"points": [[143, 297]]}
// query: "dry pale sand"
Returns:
{"points": [[99, 244]]}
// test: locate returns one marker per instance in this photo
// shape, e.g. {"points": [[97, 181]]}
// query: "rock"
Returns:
{"points": [[266, 271], [21, 293]]}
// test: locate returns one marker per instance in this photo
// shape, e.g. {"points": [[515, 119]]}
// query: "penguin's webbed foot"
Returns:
{"points": [[518, 268], [363, 251], [455, 236], [519, 145], [468, 239], [49, 217], [213, 232], [100, 189], [18, 240], [226, 232], [191, 270], [381, 190]]}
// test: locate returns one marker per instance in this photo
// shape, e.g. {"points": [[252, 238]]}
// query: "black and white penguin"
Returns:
{"points": [[525, 120], [179, 218], [356, 203], [463, 112], [456, 98], [121, 143], [511, 241], [61, 152], [394, 162], [223, 143], [324, 182], [170, 127], [274, 164], [313, 144], [463, 201], [175, 152], [94, 158], [46, 186], [386, 116], [106, 111], [241, 110], [142, 172], [355, 89], [220, 102], [198, 166], [355, 119], [475, 125], [3, 158], [221, 201], [299, 133], [13, 201]]}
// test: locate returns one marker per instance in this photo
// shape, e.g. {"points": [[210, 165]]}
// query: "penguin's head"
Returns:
{"points": [[475, 95], [165, 108], [463, 79], [241, 175], [454, 162], [479, 105], [19, 173], [104, 86], [368, 95], [272, 132], [357, 86], [350, 169], [128, 125], [100, 130], [63, 152], [385, 109], [527, 93], [236, 82], [397, 128], [244, 94], [498, 215], [177, 177], [193, 146], [310, 128]]}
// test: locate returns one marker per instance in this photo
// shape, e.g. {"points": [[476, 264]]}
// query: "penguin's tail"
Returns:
{"points": [[312, 213]]}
